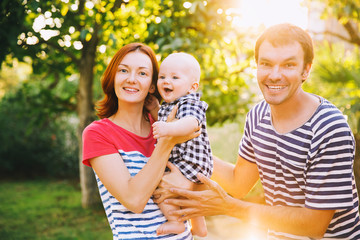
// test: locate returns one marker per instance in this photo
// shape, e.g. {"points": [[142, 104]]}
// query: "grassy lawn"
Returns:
{"points": [[51, 209], [48, 210]]}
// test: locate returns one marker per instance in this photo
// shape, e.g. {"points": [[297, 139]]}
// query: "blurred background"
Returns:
{"points": [[53, 54]]}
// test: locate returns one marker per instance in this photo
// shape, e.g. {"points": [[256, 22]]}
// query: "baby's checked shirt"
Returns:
{"points": [[193, 156]]}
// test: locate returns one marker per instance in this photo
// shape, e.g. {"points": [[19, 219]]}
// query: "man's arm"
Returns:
{"points": [[237, 180], [181, 127], [215, 201]]}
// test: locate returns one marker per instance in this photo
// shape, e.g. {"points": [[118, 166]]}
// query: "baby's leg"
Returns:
{"points": [[172, 225], [198, 226]]}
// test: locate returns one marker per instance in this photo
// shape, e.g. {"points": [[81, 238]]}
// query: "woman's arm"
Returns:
{"points": [[181, 127], [134, 192]]}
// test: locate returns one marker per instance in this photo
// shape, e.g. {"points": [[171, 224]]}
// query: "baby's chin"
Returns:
{"points": [[169, 99]]}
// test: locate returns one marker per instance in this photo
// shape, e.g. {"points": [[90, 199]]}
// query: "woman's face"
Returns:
{"points": [[133, 78]]}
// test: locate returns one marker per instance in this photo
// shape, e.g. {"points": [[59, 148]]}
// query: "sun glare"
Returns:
{"points": [[255, 13]]}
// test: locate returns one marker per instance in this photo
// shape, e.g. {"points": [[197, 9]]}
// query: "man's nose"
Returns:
{"points": [[275, 73]]}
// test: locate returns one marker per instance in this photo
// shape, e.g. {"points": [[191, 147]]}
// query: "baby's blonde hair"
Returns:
{"points": [[193, 64]]}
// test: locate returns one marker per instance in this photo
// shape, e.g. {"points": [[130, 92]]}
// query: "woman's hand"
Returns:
{"points": [[214, 201], [172, 179], [152, 103]]}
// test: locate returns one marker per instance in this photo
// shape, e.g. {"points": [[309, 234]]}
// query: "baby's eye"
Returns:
{"points": [[175, 77], [161, 77]]}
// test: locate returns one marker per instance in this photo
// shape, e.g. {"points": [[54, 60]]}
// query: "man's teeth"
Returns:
{"points": [[276, 87]]}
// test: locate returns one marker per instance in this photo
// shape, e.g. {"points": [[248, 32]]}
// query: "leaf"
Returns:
{"points": [[64, 10]]}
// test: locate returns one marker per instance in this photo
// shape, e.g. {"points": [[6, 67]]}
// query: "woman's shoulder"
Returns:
{"points": [[101, 125]]}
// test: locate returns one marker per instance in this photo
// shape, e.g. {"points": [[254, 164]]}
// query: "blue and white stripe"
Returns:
{"points": [[311, 166], [128, 225]]}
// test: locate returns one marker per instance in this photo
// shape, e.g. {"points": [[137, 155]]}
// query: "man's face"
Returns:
{"points": [[280, 72]]}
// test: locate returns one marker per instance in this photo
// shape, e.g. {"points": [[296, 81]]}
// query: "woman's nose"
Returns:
{"points": [[131, 78]]}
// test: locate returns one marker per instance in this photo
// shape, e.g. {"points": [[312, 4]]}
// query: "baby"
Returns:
{"points": [[178, 82]]}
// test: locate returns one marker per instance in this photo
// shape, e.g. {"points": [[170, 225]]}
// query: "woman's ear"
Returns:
{"points": [[152, 88]]}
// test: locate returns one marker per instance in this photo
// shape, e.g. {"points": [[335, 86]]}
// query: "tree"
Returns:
{"points": [[338, 68], [69, 39]]}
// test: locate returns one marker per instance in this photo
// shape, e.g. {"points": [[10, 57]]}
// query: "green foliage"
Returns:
{"points": [[165, 25], [48, 210], [336, 76], [38, 136], [221, 50], [12, 16], [345, 9]]}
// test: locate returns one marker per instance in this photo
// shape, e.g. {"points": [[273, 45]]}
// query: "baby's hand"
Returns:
{"points": [[151, 103], [160, 129]]}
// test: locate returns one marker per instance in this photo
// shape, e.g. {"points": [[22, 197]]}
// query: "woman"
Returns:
{"points": [[120, 146]]}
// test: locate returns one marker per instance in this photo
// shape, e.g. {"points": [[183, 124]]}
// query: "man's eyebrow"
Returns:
{"points": [[285, 60]]}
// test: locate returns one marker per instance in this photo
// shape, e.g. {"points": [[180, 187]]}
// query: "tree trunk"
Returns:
{"points": [[90, 195]]}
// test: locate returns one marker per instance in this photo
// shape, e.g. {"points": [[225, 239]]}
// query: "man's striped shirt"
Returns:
{"points": [[311, 166]]}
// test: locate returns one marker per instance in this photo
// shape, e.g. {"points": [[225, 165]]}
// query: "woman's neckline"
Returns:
{"points": [[128, 131]]}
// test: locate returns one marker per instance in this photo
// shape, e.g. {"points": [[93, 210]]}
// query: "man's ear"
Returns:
{"points": [[194, 87], [152, 88], [306, 72]]}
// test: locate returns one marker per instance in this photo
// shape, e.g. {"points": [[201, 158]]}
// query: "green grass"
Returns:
{"points": [[51, 210], [225, 141], [44, 209]]}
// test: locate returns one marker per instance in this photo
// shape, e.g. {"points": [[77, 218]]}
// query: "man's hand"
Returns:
{"points": [[214, 201], [172, 179]]}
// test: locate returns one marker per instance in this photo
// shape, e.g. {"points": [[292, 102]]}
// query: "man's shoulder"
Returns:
{"points": [[259, 109], [327, 109]]}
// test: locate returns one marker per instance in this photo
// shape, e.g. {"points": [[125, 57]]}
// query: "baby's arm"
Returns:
{"points": [[153, 106], [181, 127]]}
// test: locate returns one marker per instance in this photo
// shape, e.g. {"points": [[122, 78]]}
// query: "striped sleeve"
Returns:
{"points": [[329, 176], [253, 117]]}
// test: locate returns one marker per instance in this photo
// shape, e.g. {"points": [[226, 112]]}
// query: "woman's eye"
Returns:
{"points": [[123, 70], [143, 74]]}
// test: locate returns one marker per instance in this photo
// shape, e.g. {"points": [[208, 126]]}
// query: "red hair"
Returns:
{"points": [[109, 104]]}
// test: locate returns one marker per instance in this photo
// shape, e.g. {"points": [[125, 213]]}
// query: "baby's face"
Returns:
{"points": [[175, 79]]}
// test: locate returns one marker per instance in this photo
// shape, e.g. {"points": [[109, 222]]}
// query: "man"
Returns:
{"points": [[297, 143]]}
